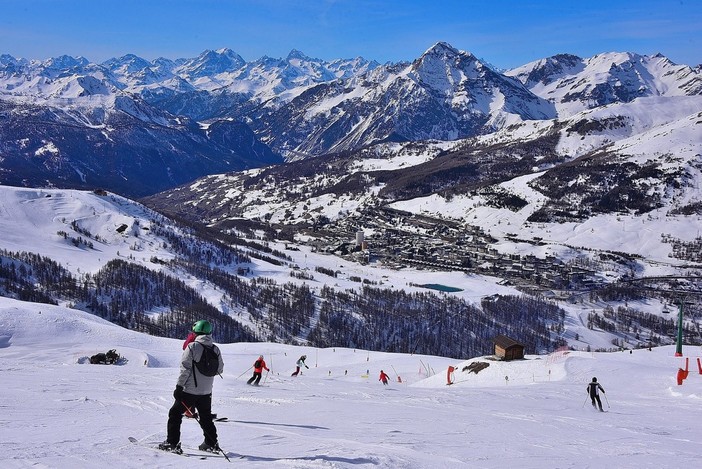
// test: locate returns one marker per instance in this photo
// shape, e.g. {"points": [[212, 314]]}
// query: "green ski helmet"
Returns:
{"points": [[202, 327]]}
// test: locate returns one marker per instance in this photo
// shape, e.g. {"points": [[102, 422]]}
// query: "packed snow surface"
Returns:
{"points": [[59, 411]]}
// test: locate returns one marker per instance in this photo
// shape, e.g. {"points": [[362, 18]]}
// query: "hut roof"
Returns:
{"points": [[505, 342]]}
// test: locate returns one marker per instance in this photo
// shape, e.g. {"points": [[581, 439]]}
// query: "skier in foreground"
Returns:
{"points": [[384, 377], [593, 389], [194, 392]]}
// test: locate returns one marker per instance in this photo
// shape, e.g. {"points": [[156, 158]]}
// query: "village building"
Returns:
{"points": [[508, 349]]}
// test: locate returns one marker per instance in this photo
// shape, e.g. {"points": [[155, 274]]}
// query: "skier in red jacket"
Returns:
{"points": [[259, 366], [383, 377]]}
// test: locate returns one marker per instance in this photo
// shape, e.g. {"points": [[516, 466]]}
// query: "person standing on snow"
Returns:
{"points": [[300, 363], [383, 377], [194, 392], [593, 389], [259, 366]]}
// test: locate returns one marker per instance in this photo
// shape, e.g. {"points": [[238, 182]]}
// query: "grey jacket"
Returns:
{"points": [[192, 353]]}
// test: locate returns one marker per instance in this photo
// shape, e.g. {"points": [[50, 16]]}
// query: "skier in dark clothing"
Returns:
{"points": [[259, 366], [300, 363], [193, 393], [593, 389]]}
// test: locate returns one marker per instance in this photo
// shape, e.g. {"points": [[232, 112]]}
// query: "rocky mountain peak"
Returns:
{"points": [[296, 54], [128, 63], [443, 60], [11, 64], [547, 70], [442, 49], [212, 62], [63, 62]]}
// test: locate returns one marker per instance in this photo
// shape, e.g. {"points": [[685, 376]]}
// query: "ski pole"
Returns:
{"points": [[247, 370], [394, 371], [584, 402], [266, 378], [605, 395], [197, 419]]}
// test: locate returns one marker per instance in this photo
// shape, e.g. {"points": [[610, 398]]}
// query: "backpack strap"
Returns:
{"points": [[193, 367]]}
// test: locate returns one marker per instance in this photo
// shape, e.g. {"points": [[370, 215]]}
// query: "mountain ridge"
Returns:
{"points": [[295, 108]]}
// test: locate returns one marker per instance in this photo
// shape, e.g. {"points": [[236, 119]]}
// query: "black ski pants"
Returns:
{"points": [[200, 403], [255, 379], [594, 398]]}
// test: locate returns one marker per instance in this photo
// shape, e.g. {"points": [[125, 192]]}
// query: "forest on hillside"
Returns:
{"points": [[158, 303]]}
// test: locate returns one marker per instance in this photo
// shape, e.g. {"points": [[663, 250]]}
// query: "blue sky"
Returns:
{"points": [[505, 33]]}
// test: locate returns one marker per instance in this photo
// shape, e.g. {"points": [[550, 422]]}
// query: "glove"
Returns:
{"points": [[178, 393]]}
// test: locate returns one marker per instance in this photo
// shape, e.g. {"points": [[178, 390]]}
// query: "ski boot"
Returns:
{"points": [[204, 446], [171, 448]]}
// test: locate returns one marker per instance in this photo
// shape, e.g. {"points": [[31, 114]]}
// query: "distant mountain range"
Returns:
{"points": [[140, 127], [562, 178], [616, 133]]}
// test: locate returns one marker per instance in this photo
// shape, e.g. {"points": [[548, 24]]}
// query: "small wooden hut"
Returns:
{"points": [[508, 349]]}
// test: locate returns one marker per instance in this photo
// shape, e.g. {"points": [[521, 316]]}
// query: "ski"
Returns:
{"points": [[204, 454], [155, 448], [188, 452], [219, 454], [191, 452]]}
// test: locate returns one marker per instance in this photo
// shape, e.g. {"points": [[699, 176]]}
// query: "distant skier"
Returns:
{"points": [[593, 389], [259, 366], [383, 377], [300, 363], [193, 392]]}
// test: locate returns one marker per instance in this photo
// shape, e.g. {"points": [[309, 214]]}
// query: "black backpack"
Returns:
{"points": [[257, 364], [209, 362]]}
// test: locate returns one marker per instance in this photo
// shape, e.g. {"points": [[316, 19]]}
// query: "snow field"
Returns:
{"points": [[58, 413]]}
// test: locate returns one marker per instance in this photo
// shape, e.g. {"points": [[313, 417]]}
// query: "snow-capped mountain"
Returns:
{"points": [[608, 226], [586, 169], [574, 84], [105, 125], [68, 122], [300, 107], [116, 141], [445, 94], [241, 92], [210, 63]]}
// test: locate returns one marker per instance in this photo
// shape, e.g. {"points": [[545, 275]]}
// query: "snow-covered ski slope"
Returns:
{"points": [[57, 411]]}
